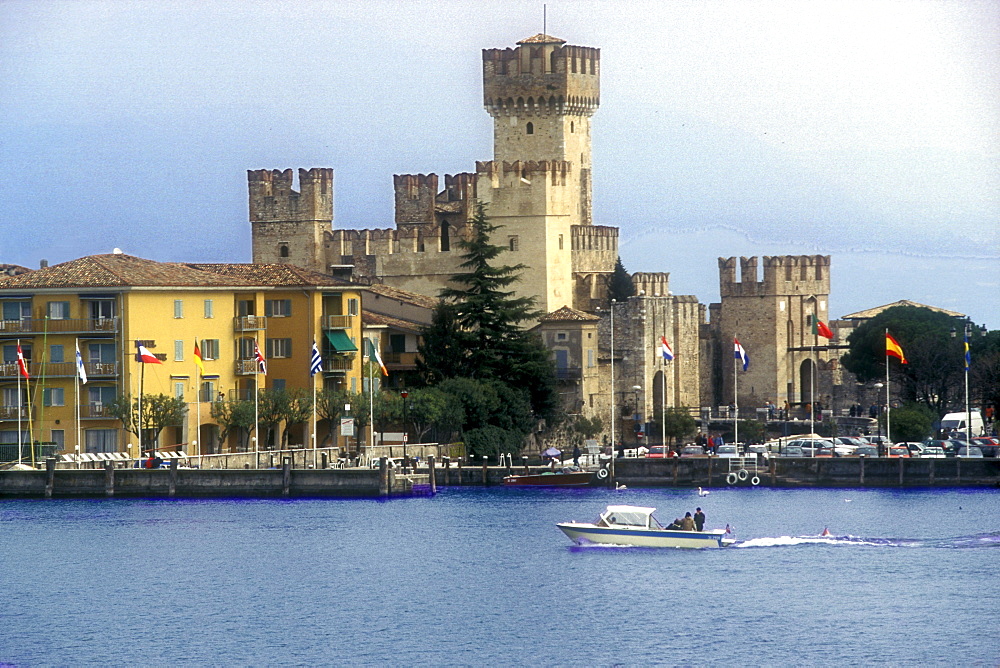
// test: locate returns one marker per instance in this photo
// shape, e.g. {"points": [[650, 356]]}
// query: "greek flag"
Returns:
{"points": [[316, 362], [81, 371]]}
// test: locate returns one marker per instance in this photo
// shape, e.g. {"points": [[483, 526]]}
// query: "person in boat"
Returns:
{"points": [[699, 519], [687, 524], [675, 525]]}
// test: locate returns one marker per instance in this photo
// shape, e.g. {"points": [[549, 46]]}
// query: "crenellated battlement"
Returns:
{"points": [[273, 199], [594, 237], [542, 75], [783, 275], [651, 284], [415, 197]]}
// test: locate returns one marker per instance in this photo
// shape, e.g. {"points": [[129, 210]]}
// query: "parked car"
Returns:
{"points": [[949, 446], [658, 452], [791, 451], [932, 452], [727, 451], [866, 451], [692, 451], [810, 445], [899, 451], [990, 445], [971, 452], [914, 447]]}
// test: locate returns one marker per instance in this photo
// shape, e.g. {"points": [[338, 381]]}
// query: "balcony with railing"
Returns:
{"points": [[107, 326], [59, 369], [338, 363], [241, 394], [246, 367], [249, 323], [95, 411], [401, 361], [11, 412], [337, 321]]}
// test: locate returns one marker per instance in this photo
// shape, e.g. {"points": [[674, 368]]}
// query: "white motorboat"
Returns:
{"points": [[636, 526]]}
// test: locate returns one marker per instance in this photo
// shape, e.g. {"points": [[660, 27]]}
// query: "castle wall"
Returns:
{"points": [[288, 225]]}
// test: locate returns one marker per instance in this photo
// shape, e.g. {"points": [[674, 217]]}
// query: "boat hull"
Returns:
{"points": [[583, 534], [576, 479]]}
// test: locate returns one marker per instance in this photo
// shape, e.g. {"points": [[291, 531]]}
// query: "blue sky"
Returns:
{"points": [[869, 131]]}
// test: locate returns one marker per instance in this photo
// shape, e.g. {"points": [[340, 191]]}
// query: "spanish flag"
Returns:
{"points": [[198, 361], [893, 348]]}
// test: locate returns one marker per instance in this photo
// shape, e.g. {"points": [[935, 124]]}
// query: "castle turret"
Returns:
{"points": [[288, 226]]}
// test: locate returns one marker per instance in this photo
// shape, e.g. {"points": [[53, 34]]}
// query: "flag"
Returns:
{"points": [[81, 370], [261, 362], [820, 329], [375, 357], [893, 348], [21, 366], [143, 355], [968, 358], [198, 361], [740, 354], [315, 362], [666, 350]]}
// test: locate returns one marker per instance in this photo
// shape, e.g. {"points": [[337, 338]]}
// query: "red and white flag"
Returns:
{"points": [[261, 362], [143, 355], [21, 366]]}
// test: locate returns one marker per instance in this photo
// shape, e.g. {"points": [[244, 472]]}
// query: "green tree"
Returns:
{"points": [[492, 441], [932, 375], [234, 416], [478, 333], [751, 431], [588, 427], [330, 407], [984, 371], [620, 287], [678, 423], [158, 411], [430, 408], [911, 422], [298, 410]]}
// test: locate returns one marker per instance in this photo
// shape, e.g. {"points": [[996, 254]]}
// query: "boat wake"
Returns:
{"points": [[989, 539]]}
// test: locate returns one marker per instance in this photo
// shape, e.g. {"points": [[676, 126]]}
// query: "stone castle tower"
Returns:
{"points": [[541, 95], [772, 318]]}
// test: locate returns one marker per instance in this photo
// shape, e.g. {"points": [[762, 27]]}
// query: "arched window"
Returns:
{"points": [[530, 128], [283, 250], [513, 243], [445, 236]]}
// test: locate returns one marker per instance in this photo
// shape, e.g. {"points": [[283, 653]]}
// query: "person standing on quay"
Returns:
{"points": [[699, 519]]}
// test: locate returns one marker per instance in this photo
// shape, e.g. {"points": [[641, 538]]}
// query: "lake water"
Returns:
{"points": [[482, 576]]}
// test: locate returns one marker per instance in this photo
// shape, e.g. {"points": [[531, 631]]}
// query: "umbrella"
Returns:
{"points": [[551, 452]]}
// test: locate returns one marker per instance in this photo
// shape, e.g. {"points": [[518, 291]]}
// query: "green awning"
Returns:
{"points": [[340, 341]]}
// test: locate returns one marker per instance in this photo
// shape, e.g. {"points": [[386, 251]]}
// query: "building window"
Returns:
{"points": [[560, 242], [561, 336], [178, 351], [352, 307], [572, 127], [179, 390], [277, 383], [277, 308], [531, 128], [278, 348], [17, 310], [178, 308], [54, 396], [209, 308], [101, 353], [102, 440], [56, 354], [58, 436], [10, 352], [207, 391], [590, 357], [210, 349], [58, 310], [283, 250], [512, 243]]}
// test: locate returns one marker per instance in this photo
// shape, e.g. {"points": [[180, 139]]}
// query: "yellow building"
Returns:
{"points": [[106, 305]]}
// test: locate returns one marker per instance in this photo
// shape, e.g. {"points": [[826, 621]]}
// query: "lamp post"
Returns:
{"points": [[404, 394], [966, 360]]}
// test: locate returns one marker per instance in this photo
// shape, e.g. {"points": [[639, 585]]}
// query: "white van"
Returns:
{"points": [[955, 422]]}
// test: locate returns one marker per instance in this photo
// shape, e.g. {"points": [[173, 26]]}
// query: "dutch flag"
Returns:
{"points": [[740, 354], [668, 353]]}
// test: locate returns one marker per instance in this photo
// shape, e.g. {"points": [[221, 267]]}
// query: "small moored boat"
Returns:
{"points": [[568, 476], [635, 525]]}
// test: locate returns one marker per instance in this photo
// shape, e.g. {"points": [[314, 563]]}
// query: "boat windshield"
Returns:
{"points": [[631, 518]]}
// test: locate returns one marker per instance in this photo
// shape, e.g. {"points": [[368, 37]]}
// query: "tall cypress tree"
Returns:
{"points": [[620, 288], [478, 334]]}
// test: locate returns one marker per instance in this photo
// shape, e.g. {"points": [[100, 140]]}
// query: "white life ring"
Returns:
{"points": [[731, 479], [602, 474], [743, 474], [755, 481]]}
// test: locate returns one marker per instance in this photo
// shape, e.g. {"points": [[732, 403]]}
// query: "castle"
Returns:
{"points": [[541, 96]]}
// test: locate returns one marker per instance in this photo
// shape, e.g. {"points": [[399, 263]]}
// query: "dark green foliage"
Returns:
{"points": [[234, 415], [489, 403], [492, 441], [912, 422], [934, 370], [476, 332], [589, 428], [678, 423], [620, 287], [984, 372], [158, 411]]}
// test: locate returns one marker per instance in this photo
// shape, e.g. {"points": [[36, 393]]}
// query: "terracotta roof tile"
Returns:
{"points": [[369, 319], [117, 270], [402, 295], [567, 313], [274, 275], [541, 38]]}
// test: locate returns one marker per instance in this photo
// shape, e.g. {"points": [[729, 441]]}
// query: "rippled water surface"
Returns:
{"points": [[482, 576]]}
